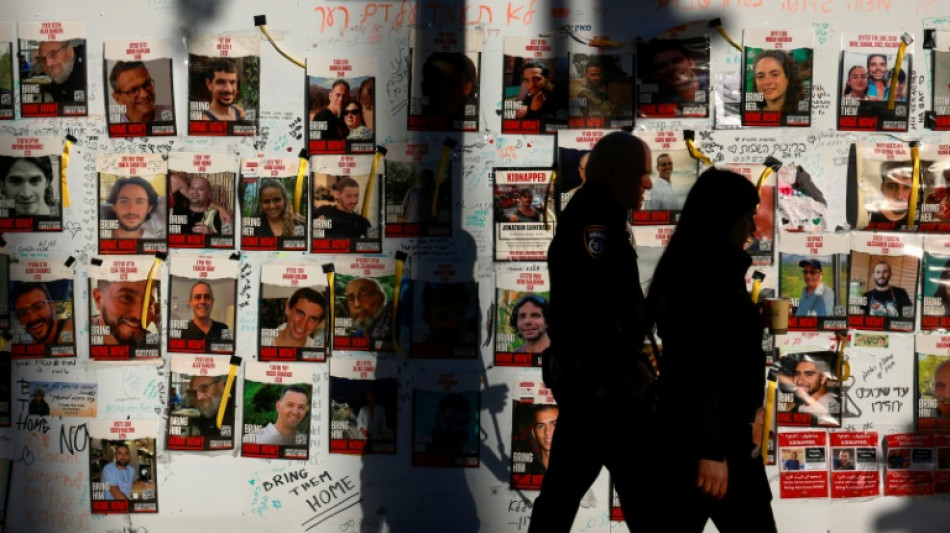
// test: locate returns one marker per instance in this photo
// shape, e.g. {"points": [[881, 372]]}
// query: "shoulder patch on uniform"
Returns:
{"points": [[595, 240]]}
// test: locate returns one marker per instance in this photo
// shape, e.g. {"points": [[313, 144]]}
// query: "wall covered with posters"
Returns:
{"points": [[256, 297]]}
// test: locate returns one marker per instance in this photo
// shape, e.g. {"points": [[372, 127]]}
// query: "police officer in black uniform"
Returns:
{"points": [[597, 333]]}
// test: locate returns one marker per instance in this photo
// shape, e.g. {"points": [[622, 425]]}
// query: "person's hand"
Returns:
{"points": [[538, 100], [224, 213], [201, 229], [757, 426], [713, 478], [299, 219]]}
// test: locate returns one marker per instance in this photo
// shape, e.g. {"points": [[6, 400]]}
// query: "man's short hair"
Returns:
{"points": [[819, 363], [118, 445], [536, 64], [661, 156], [134, 180], [205, 283], [526, 191], [379, 287], [594, 61], [295, 388], [224, 64], [439, 294], [123, 66], [537, 300], [343, 182], [23, 287], [342, 82], [540, 408], [872, 56], [308, 294]]}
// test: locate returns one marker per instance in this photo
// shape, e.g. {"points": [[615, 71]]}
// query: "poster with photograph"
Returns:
{"points": [[533, 421], [55, 84], [855, 470], [224, 84], [132, 203], [202, 200], [445, 419], [803, 464], [933, 215], [418, 191], [573, 150], [43, 306], [600, 88], [62, 398], [524, 213], [809, 391], [868, 69], [935, 312], [801, 203], [777, 77], [939, 43], [674, 173], [346, 210], [365, 288], [124, 309], [363, 404], [521, 322], [123, 466], [138, 75], [273, 204], [673, 73], [910, 464], [4, 292], [942, 475], [933, 382], [884, 271], [276, 414], [445, 79], [341, 105], [294, 313], [813, 274], [885, 180], [651, 243], [535, 85], [445, 310], [31, 196], [202, 303], [198, 391], [761, 247], [8, 65]]}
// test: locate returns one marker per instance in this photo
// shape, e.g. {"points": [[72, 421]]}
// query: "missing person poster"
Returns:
{"points": [[124, 309], [346, 210], [573, 150], [201, 200], [445, 310], [202, 304], [761, 247], [43, 308], [123, 466], [55, 84], [31, 196], [600, 88], [8, 66], [445, 79], [884, 270], [809, 391], [674, 173], [273, 204], [363, 404], [445, 419], [364, 288], [885, 180], [276, 414], [801, 203], [673, 73], [933, 382], [223, 84], [521, 321], [524, 213], [418, 190], [777, 77], [533, 421], [535, 80], [910, 464], [935, 313], [813, 274], [63, 398], [934, 188], [294, 313], [803, 464], [138, 77], [131, 203], [341, 104], [939, 43], [199, 395], [869, 75], [855, 469]]}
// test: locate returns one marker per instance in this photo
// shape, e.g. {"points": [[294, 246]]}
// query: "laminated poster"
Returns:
{"points": [[138, 78], [341, 104], [124, 309], [198, 385], [42, 308], [276, 416], [132, 202], [294, 313], [202, 304], [31, 196], [777, 77], [523, 213], [202, 199], [123, 466], [346, 211], [521, 322], [273, 204], [55, 85], [223, 84], [363, 404]]}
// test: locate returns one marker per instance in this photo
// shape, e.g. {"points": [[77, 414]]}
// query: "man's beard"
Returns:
{"points": [[113, 324], [211, 410], [367, 323], [66, 72]]}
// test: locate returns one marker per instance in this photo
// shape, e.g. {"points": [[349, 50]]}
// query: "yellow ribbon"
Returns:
{"points": [[400, 264], [301, 177], [767, 422], [146, 302], [696, 154], [842, 367], [369, 183], [915, 190], [725, 36], [892, 96], [235, 364], [63, 163], [443, 168], [294, 60], [547, 196]]}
